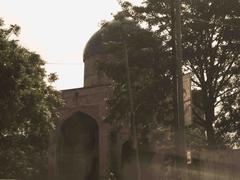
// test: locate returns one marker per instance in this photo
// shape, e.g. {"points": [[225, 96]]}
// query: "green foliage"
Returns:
{"points": [[28, 109], [210, 51], [149, 73]]}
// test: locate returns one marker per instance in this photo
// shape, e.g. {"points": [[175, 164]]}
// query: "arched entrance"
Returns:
{"points": [[78, 148]]}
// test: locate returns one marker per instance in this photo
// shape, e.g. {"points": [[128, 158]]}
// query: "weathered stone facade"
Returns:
{"points": [[84, 147]]}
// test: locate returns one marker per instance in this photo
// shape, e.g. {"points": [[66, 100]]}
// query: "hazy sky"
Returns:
{"points": [[58, 30]]}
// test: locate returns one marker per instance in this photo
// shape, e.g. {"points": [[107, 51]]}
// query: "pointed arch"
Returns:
{"points": [[78, 148]]}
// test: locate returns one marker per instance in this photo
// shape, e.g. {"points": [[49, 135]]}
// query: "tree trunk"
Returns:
{"points": [[209, 114], [211, 137]]}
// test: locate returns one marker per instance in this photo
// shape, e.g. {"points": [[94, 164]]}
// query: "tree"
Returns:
{"points": [[28, 109], [142, 104], [210, 51], [149, 74]]}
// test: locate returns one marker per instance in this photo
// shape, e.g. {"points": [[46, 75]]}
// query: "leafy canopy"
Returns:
{"points": [[28, 109], [149, 74], [210, 51]]}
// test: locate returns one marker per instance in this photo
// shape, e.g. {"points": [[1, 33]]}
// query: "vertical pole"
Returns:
{"points": [[179, 77], [132, 118], [178, 93]]}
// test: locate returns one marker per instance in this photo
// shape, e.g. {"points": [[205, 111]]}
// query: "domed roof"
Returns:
{"points": [[111, 31]]}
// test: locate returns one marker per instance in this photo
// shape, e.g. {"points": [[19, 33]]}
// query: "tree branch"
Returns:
{"points": [[201, 121], [225, 97]]}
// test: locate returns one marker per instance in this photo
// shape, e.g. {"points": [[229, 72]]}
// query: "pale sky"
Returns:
{"points": [[58, 30]]}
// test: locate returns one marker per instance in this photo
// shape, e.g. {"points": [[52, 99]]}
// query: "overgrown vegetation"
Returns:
{"points": [[28, 109], [211, 48]]}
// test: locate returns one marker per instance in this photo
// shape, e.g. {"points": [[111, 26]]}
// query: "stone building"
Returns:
{"points": [[84, 147]]}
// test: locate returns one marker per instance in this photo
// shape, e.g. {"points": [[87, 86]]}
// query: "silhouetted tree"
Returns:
{"points": [[28, 109], [210, 51]]}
